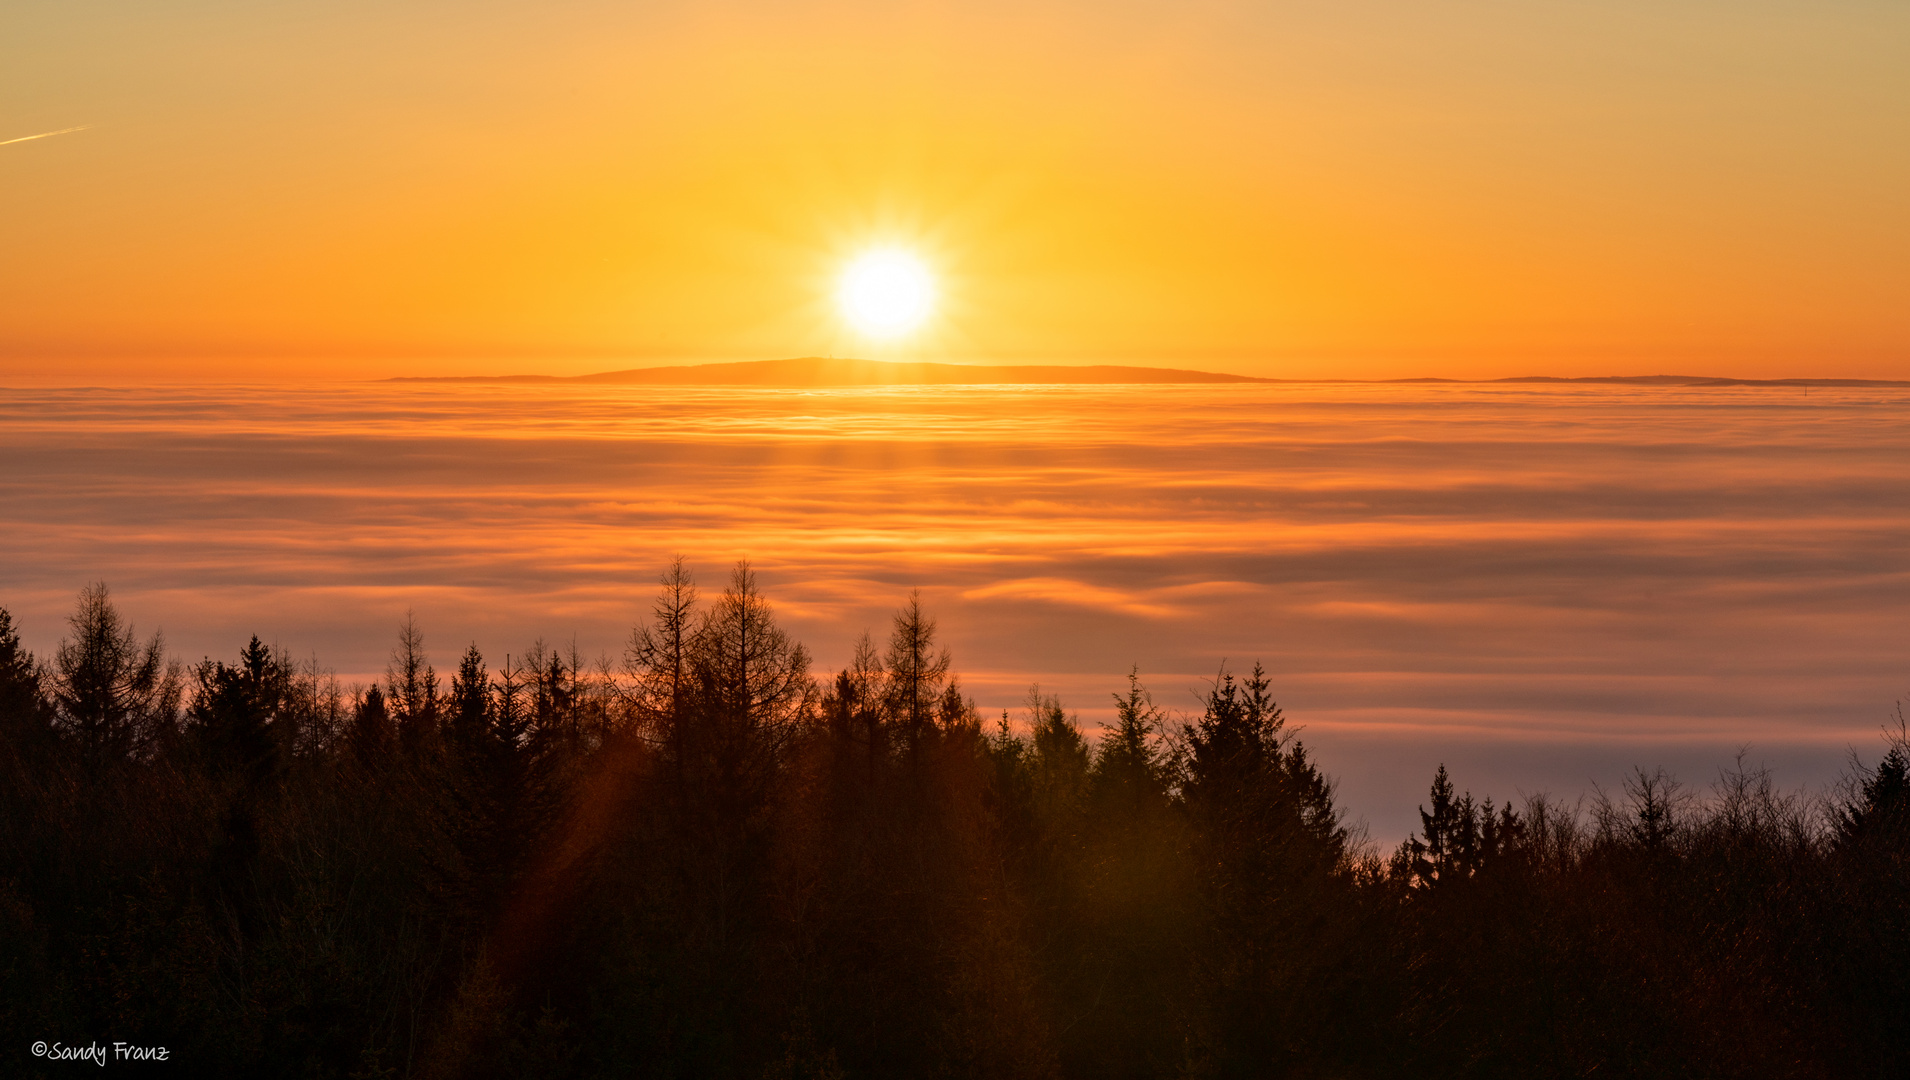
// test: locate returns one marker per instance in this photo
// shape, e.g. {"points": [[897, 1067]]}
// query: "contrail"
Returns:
{"points": [[44, 134]]}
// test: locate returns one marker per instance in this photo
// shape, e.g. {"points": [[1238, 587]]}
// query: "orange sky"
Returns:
{"points": [[1357, 189]]}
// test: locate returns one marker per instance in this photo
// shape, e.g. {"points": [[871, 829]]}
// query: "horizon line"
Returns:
{"points": [[810, 368]]}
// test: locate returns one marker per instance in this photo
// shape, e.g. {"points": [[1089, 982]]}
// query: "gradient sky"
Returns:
{"points": [[1363, 188], [1537, 585]]}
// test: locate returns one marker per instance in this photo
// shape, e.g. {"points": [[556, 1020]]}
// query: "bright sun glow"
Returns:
{"points": [[886, 293]]}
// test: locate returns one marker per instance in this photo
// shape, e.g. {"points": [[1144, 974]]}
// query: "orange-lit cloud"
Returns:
{"points": [[1543, 583], [1073, 593], [43, 135]]}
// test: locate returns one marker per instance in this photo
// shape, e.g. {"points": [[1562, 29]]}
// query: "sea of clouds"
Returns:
{"points": [[1540, 586]]}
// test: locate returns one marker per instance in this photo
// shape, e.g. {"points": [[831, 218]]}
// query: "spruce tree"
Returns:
{"points": [[26, 717], [239, 714], [1128, 762], [470, 713]]}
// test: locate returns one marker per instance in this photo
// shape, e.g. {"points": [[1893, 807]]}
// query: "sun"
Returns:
{"points": [[885, 293]]}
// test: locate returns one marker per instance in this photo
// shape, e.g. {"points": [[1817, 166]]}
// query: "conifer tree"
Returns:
{"points": [[26, 718], [240, 715], [955, 713], [512, 719], [659, 663], [857, 707], [553, 691], [1060, 757], [412, 689], [470, 703], [916, 671], [1432, 857], [371, 731], [753, 690], [1236, 743], [1272, 853], [1128, 763], [113, 697], [1881, 802], [520, 793]]}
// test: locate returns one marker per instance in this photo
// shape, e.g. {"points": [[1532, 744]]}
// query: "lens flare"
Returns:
{"points": [[886, 293]]}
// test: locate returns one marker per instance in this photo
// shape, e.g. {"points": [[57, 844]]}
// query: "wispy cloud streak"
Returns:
{"points": [[44, 135]]}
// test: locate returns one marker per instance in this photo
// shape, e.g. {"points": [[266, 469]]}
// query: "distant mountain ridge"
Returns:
{"points": [[818, 371], [1665, 380]]}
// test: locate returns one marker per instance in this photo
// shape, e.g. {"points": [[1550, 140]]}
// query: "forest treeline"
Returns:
{"points": [[705, 859]]}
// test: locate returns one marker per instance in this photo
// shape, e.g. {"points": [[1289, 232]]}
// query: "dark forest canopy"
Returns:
{"points": [[704, 858]]}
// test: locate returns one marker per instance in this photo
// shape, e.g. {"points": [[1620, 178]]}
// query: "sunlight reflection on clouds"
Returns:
{"points": [[1644, 570]]}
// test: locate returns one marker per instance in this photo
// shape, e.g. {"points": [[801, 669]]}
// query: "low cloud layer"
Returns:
{"points": [[1538, 584]]}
